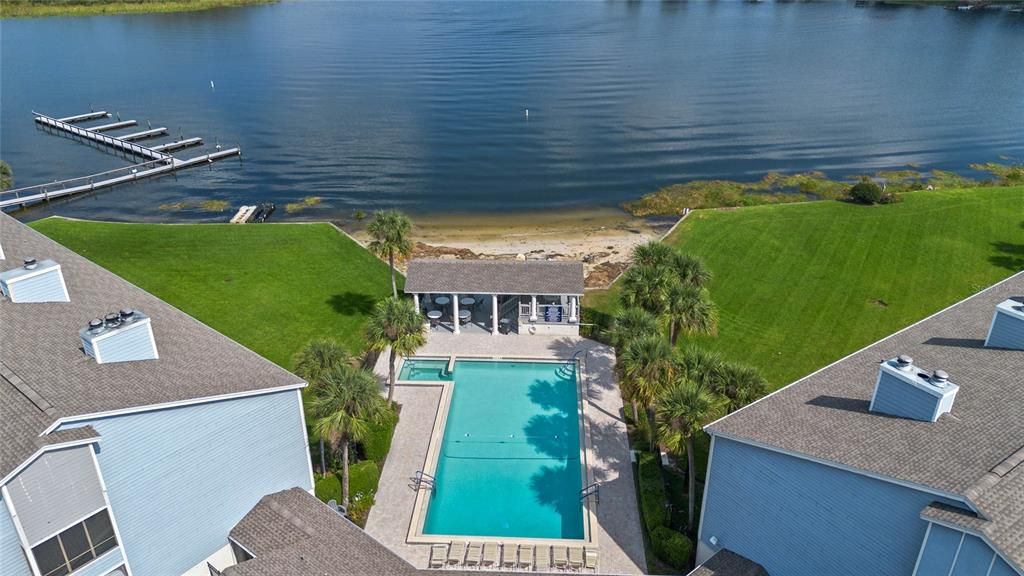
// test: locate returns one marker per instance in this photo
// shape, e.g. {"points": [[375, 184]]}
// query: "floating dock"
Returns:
{"points": [[156, 160]]}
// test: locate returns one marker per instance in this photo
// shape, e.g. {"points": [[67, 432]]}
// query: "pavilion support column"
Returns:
{"points": [[572, 308], [494, 314], [416, 301], [455, 313], [533, 308]]}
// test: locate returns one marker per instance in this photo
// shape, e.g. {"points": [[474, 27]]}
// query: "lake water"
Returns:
{"points": [[422, 105]]}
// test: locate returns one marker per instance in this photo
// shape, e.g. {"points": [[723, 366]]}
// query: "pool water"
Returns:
{"points": [[425, 369], [509, 462]]}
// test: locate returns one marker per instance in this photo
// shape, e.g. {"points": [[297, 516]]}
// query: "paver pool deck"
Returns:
{"points": [[618, 533]]}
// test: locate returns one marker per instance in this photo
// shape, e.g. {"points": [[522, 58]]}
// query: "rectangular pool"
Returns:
{"points": [[510, 462]]}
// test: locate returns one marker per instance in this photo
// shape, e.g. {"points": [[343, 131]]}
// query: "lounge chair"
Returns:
{"points": [[490, 557], [473, 553], [456, 552], [508, 555], [543, 558], [560, 558], [575, 557], [526, 556], [438, 555], [590, 559]]}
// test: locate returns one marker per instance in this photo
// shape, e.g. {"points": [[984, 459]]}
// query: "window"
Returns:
{"points": [[76, 546]]}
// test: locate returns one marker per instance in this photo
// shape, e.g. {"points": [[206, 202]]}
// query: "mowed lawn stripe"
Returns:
{"points": [[271, 287]]}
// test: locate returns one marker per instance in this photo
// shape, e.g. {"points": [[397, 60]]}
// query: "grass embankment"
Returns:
{"points": [[37, 8], [271, 287], [799, 286]]}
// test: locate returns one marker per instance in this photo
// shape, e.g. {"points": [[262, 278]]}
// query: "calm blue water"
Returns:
{"points": [[421, 105], [510, 458], [425, 370]]}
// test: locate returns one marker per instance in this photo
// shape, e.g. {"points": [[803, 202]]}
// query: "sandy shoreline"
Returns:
{"points": [[603, 238]]}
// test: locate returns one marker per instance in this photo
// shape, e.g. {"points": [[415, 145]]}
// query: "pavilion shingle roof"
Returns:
{"points": [[975, 452], [46, 376], [523, 277]]}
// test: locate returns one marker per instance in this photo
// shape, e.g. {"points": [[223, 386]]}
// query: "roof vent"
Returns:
{"points": [[119, 337], [34, 281], [1007, 329], [907, 391]]}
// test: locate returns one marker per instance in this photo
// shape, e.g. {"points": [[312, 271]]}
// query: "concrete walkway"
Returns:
{"points": [[619, 536]]}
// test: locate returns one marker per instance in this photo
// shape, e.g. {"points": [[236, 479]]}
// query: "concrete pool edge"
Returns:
{"points": [[415, 533]]}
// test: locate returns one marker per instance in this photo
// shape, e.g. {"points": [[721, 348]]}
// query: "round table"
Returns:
{"points": [[467, 301], [442, 300], [434, 314]]}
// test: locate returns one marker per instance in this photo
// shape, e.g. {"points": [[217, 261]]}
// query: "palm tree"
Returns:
{"points": [[395, 324], [701, 366], [313, 362], [741, 385], [629, 323], [648, 366], [646, 286], [653, 253], [390, 230], [344, 405], [683, 409], [689, 311], [691, 270]]}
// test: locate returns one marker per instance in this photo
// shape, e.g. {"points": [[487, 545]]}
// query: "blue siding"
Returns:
{"points": [[974, 558], [939, 552], [1001, 568], [128, 344], [1007, 332], [45, 287], [101, 565], [800, 518], [179, 479], [899, 398], [12, 558]]}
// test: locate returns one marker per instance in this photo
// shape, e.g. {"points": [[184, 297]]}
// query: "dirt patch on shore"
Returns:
{"points": [[602, 238]]}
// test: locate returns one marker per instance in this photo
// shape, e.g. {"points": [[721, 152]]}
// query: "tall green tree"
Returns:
{"points": [[630, 323], [653, 253], [702, 366], [391, 231], [344, 405], [395, 324], [646, 286], [689, 310], [648, 367], [740, 385], [316, 359], [684, 407], [6, 175], [690, 270]]}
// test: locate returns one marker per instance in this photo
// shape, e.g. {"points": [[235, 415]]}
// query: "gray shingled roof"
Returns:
{"points": [[291, 532], [41, 352], [522, 277], [825, 415], [728, 563]]}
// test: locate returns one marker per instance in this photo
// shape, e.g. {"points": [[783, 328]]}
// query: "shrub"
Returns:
{"points": [[653, 498], [362, 478], [328, 487], [378, 442], [866, 192], [672, 547]]}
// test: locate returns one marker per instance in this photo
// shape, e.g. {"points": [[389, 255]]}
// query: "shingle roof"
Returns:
{"points": [[825, 415], [494, 277], [41, 353], [728, 563]]}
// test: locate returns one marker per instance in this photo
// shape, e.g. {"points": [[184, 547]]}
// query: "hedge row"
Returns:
{"points": [[377, 443], [670, 546]]}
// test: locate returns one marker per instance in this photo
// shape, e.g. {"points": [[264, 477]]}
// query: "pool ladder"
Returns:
{"points": [[422, 480], [592, 490]]}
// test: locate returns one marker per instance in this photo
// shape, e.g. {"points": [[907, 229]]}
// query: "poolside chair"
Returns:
{"points": [[575, 557], [456, 552], [490, 557], [438, 555], [590, 559], [473, 553], [526, 556], [560, 558], [543, 558], [508, 555]]}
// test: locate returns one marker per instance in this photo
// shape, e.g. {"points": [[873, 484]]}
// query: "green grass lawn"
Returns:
{"points": [[271, 287], [801, 285]]}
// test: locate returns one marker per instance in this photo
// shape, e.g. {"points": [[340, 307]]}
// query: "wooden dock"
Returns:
{"points": [[156, 160]]}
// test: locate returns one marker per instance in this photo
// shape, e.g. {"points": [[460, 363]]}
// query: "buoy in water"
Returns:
{"points": [[527, 112]]}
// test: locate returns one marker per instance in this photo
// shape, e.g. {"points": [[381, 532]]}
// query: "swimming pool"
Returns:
{"points": [[510, 462]]}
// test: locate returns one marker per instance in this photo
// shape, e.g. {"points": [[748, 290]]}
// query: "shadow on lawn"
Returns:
{"points": [[351, 303], [1011, 256]]}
